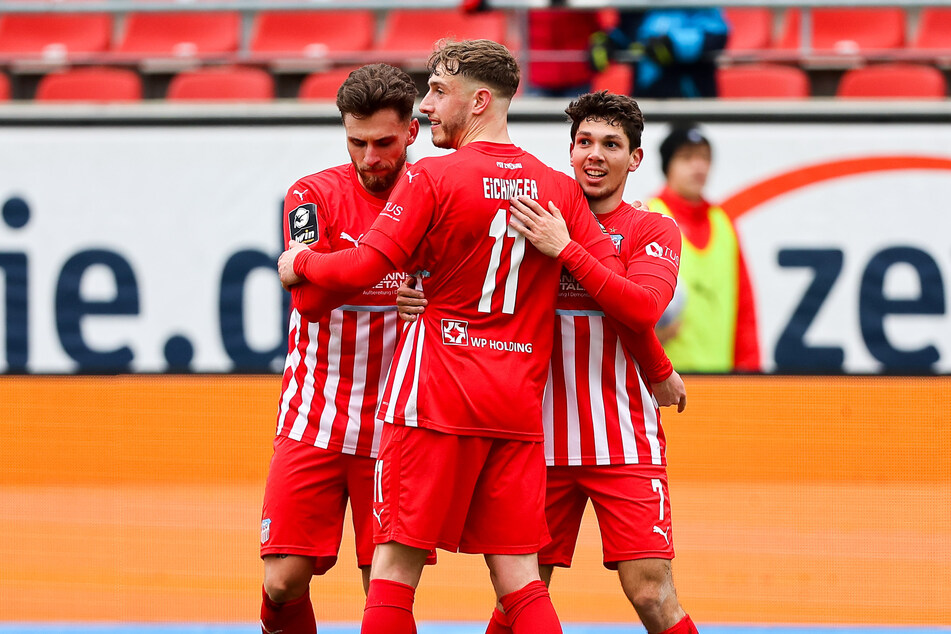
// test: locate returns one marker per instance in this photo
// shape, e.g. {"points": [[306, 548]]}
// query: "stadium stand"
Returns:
{"points": [[409, 35], [179, 34], [90, 84], [323, 86], [311, 33], [54, 35], [846, 31], [895, 81], [762, 81], [934, 30], [751, 28], [222, 84]]}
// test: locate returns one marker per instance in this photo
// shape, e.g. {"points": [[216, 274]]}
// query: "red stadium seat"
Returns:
{"points": [[934, 30], [312, 33], [323, 86], [895, 81], [847, 31], [411, 34], [617, 78], [751, 28], [90, 84], [762, 81], [4, 88], [180, 34], [54, 35], [222, 84]]}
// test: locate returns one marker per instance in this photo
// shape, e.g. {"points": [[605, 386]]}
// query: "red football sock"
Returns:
{"points": [[683, 626], [530, 611], [499, 624], [389, 608], [293, 617]]}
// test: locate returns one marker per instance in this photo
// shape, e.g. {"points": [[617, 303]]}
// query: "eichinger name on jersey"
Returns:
{"points": [[505, 188]]}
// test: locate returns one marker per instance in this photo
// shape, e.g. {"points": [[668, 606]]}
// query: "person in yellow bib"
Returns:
{"points": [[715, 328]]}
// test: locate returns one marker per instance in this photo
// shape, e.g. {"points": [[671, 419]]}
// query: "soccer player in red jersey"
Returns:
{"points": [[461, 465], [604, 439], [327, 434]]}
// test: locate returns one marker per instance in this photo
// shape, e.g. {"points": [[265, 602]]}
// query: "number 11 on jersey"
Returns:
{"points": [[499, 230]]}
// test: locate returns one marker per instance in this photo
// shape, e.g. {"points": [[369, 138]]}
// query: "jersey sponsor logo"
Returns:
{"points": [[391, 282], [346, 236], [392, 211], [502, 346], [265, 530], [505, 188], [411, 175], [664, 253], [303, 223], [455, 332], [508, 166], [300, 194], [616, 239]]}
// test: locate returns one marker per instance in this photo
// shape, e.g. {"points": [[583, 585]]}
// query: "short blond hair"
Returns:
{"points": [[482, 60]]}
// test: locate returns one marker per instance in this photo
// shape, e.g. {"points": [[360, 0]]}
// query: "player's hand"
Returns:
{"points": [[671, 391], [545, 228], [285, 264], [409, 302]]}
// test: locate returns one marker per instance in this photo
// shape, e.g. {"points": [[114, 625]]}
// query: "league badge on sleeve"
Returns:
{"points": [[302, 223]]}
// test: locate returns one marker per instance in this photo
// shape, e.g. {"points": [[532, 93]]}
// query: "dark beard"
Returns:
{"points": [[376, 184]]}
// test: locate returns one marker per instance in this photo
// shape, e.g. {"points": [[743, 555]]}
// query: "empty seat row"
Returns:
{"points": [[777, 81], [753, 81], [839, 30], [405, 33], [896, 81]]}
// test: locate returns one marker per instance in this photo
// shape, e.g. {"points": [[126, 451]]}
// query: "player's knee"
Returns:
{"points": [[650, 596], [283, 585]]}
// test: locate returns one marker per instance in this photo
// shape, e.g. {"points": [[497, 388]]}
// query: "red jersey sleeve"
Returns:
{"points": [[647, 351], [408, 214], [639, 298], [306, 220]]}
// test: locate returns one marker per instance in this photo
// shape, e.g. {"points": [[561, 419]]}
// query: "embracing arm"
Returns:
{"points": [[349, 271]]}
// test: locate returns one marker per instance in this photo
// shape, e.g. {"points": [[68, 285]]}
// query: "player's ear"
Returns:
{"points": [[636, 157], [413, 131], [481, 100]]}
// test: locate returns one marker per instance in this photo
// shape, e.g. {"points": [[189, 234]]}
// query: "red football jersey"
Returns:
{"points": [[337, 363], [476, 362], [598, 407]]}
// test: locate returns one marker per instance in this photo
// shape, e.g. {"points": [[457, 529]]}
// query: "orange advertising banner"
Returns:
{"points": [[794, 499]]}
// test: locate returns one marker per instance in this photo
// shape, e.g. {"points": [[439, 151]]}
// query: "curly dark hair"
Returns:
{"points": [[482, 60], [375, 87], [611, 108]]}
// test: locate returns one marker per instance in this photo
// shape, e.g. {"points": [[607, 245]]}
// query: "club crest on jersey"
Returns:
{"points": [[455, 332], [302, 223], [265, 530], [616, 239]]}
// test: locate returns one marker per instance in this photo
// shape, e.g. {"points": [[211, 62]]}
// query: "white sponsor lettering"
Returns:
{"points": [[392, 210], [505, 188], [665, 253], [502, 346], [508, 166]]}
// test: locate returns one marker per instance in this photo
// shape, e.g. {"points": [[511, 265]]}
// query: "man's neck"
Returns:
{"points": [[606, 205], [491, 130]]}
